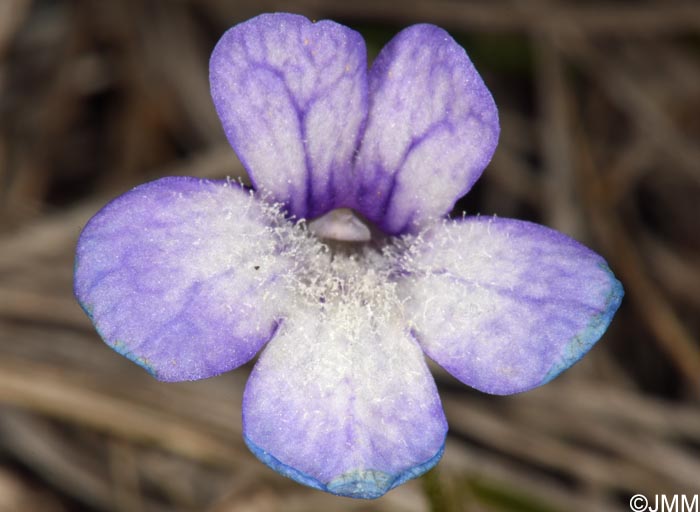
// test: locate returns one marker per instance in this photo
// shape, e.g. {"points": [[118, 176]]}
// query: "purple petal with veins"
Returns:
{"points": [[180, 275], [506, 305], [343, 401], [431, 131], [292, 96]]}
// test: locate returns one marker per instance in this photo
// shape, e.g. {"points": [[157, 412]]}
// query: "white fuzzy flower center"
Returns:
{"points": [[339, 270]]}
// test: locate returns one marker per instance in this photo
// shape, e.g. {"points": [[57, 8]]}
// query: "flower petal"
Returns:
{"points": [[174, 273], [292, 96], [354, 412], [432, 129], [506, 305]]}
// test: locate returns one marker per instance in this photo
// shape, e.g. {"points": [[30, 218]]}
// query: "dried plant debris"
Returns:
{"points": [[599, 107]]}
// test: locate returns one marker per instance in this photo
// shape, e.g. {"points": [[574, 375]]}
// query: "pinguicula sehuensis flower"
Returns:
{"points": [[342, 263]]}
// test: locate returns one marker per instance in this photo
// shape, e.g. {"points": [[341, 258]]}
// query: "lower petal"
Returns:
{"points": [[174, 274], [506, 305], [348, 408]]}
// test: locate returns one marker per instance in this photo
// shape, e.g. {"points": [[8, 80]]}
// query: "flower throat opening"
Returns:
{"points": [[342, 225]]}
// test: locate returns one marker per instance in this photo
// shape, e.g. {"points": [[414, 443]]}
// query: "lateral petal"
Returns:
{"points": [[506, 305], [179, 275]]}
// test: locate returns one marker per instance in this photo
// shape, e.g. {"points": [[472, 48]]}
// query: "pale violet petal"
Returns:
{"points": [[179, 275], [432, 129], [506, 305], [351, 411], [292, 96]]}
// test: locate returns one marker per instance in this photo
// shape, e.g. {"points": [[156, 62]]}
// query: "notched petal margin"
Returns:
{"points": [[344, 403], [365, 484]]}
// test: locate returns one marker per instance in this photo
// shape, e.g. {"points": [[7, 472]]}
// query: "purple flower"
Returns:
{"points": [[191, 278]]}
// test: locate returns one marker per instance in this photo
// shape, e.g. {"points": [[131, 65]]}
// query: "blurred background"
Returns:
{"points": [[600, 111]]}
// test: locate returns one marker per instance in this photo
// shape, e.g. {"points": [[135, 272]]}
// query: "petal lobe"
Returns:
{"points": [[349, 410], [291, 95], [173, 275], [431, 130], [506, 305]]}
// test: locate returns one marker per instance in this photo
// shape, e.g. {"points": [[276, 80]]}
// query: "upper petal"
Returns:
{"points": [[343, 405], [174, 274], [292, 95], [432, 129], [506, 305]]}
